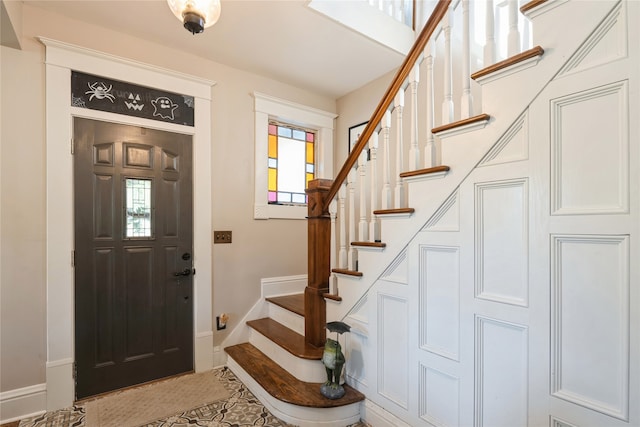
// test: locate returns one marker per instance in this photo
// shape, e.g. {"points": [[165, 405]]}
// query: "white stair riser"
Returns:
{"points": [[291, 320], [306, 370], [298, 415]]}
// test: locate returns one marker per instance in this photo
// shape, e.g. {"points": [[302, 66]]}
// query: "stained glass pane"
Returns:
{"points": [[309, 152], [285, 132], [284, 197], [291, 159], [273, 146], [299, 198], [138, 207], [291, 165], [273, 175]]}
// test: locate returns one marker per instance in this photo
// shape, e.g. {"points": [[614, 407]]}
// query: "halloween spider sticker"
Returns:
{"points": [[101, 93], [100, 90]]}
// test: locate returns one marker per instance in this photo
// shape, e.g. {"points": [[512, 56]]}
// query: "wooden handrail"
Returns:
{"points": [[417, 48]]}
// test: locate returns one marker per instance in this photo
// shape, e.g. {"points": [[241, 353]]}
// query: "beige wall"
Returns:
{"points": [[259, 249], [354, 108]]}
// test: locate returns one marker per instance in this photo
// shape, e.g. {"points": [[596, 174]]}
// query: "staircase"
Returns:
{"points": [[391, 189]]}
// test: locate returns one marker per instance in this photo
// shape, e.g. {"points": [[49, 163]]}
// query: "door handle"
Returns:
{"points": [[185, 272]]}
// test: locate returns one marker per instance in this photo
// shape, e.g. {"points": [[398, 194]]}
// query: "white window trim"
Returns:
{"points": [[268, 107]]}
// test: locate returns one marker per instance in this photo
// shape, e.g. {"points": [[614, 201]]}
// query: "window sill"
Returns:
{"points": [[279, 212]]}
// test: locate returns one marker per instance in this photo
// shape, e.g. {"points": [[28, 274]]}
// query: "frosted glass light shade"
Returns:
{"points": [[196, 15]]}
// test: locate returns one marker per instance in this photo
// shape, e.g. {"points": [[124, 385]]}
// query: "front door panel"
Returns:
{"points": [[133, 264]]}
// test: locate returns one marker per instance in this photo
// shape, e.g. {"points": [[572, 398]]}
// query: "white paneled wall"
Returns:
{"points": [[517, 302]]}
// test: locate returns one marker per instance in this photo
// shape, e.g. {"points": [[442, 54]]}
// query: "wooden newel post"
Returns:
{"points": [[318, 263]]}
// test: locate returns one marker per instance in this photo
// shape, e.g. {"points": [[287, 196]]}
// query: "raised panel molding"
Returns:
{"points": [[104, 207], [439, 397], [513, 146], [557, 422], [590, 151], [138, 156], [608, 43], [103, 154], [447, 217], [355, 350], [501, 373], [397, 272], [360, 312], [392, 348], [502, 241], [439, 290], [590, 322]]}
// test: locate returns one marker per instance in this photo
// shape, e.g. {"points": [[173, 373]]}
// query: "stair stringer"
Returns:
{"points": [[505, 99]]}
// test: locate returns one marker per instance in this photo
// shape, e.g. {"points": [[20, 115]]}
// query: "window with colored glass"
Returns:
{"points": [[291, 164]]}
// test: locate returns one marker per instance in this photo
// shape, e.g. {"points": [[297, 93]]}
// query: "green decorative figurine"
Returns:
{"points": [[333, 360]]}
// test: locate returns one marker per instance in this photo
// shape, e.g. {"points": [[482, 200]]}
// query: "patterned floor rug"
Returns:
{"points": [[240, 409]]}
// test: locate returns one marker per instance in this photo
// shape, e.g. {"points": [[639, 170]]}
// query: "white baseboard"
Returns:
{"points": [[272, 286], [219, 357], [379, 417], [23, 403], [204, 351], [60, 386]]}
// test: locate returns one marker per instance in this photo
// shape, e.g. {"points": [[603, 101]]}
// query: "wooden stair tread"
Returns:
{"points": [[460, 123], [531, 5], [281, 384], [426, 171], [290, 340], [394, 211], [293, 303], [370, 244], [347, 272], [332, 297], [523, 56]]}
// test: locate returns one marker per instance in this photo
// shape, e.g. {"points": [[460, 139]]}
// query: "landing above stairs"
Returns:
{"points": [[284, 386]]}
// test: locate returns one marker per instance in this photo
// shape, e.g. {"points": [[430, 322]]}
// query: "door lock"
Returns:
{"points": [[185, 272]]}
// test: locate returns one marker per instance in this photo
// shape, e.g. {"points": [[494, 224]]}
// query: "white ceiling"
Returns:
{"points": [[281, 39]]}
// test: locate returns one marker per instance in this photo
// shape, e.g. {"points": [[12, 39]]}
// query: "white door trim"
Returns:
{"points": [[61, 58]]}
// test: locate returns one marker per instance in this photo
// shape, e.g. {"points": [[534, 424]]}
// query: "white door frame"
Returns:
{"points": [[61, 58]]}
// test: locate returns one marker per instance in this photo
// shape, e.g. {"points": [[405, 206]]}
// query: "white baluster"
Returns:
{"points": [[466, 103], [399, 188], [513, 46], [363, 225], [414, 152], [526, 35], [333, 211], [374, 223], [430, 147], [351, 252], [386, 171], [447, 103], [490, 43], [342, 222]]}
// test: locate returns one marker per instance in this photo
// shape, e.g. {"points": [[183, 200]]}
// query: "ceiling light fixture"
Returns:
{"points": [[196, 15]]}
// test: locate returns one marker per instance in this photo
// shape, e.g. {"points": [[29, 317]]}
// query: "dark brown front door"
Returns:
{"points": [[133, 255]]}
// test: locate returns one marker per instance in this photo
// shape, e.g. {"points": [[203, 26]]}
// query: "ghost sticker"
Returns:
{"points": [[163, 107], [134, 103]]}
